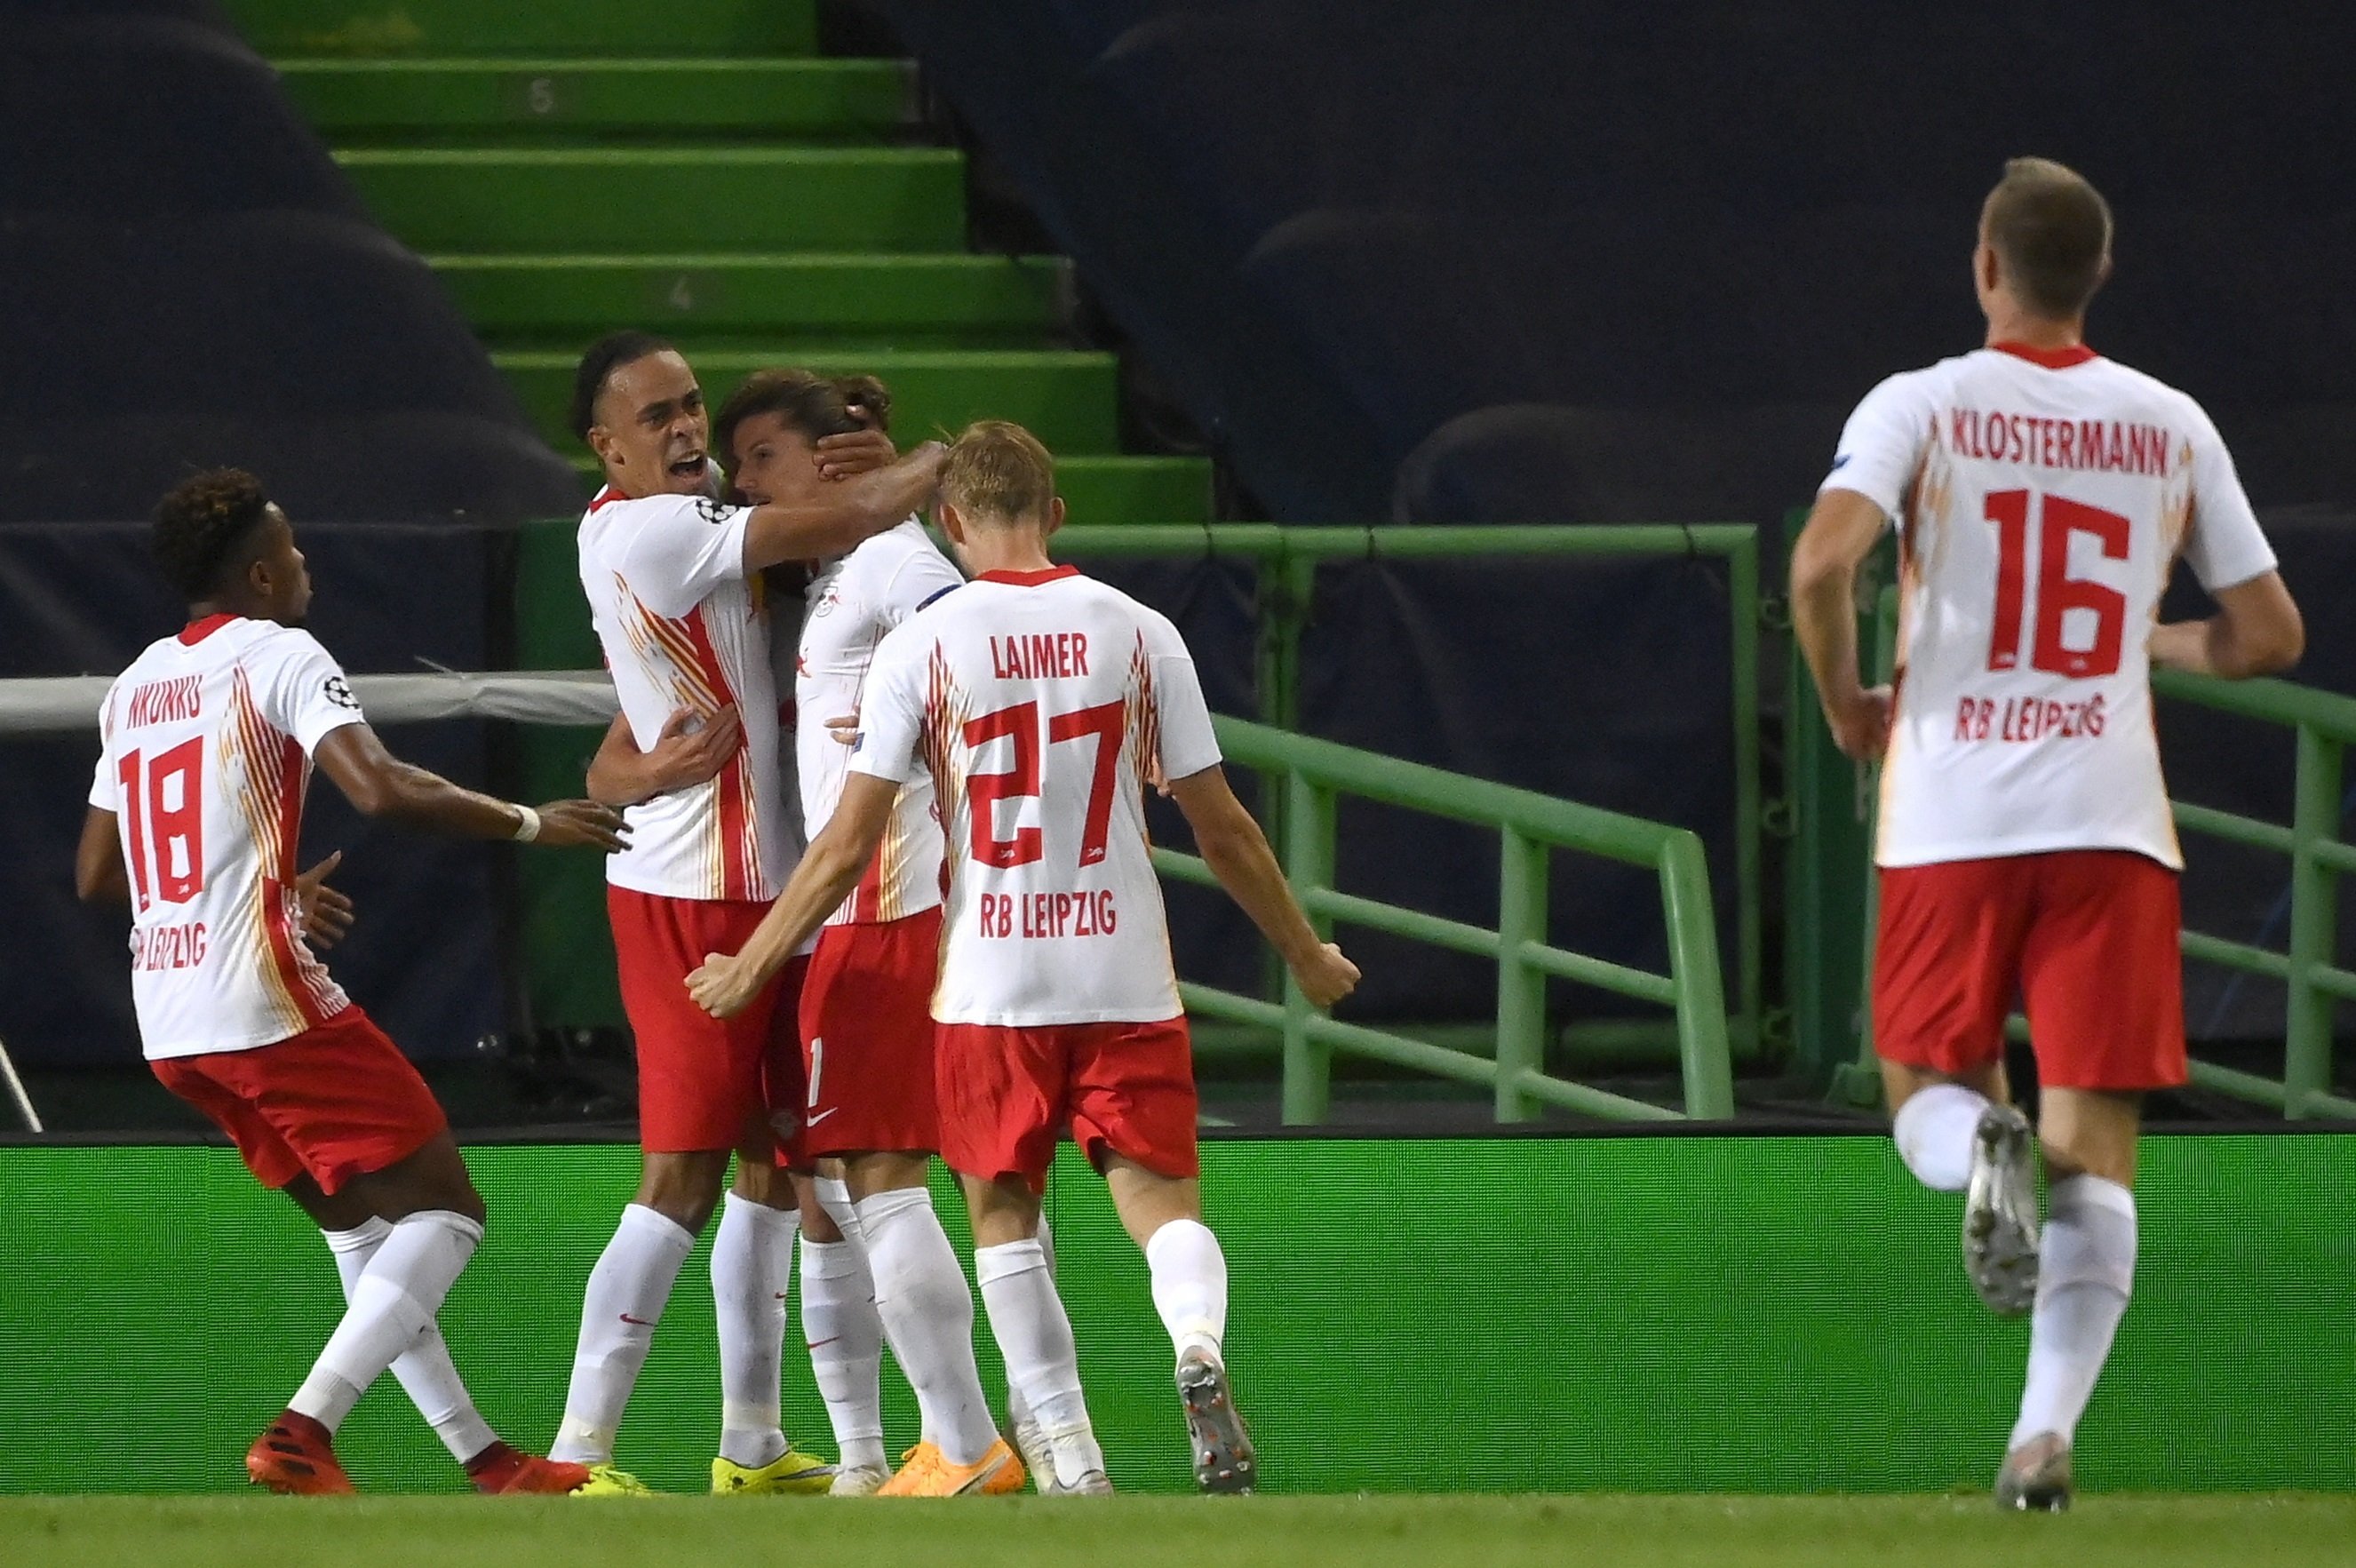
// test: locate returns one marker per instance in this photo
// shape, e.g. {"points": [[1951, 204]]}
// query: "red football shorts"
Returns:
{"points": [[867, 1034], [2085, 939], [336, 1101], [1124, 1089], [707, 1083]]}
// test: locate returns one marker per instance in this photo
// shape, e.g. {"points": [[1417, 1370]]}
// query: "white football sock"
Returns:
{"points": [[628, 1291], [846, 1348], [392, 1303], [2085, 1272], [1934, 1130], [927, 1310], [1027, 1319], [425, 1368], [1018, 1409], [752, 1270], [834, 1196], [1190, 1286]]}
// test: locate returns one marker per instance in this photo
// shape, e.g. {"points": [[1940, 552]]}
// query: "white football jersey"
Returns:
{"points": [[2041, 500], [683, 627], [207, 743], [854, 600], [1042, 704]]}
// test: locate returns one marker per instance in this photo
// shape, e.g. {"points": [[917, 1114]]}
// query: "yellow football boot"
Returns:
{"points": [[607, 1481], [791, 1474]]}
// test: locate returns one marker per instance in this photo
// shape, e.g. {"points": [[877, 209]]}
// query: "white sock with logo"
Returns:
{"points": [[628, 1292], [845, 1336], [752, 1270], [1190, 1286], [392, 1303], [1034, 1335], [927, 1310], [2085, 1272], [1934, 1130], [425, 1370]]}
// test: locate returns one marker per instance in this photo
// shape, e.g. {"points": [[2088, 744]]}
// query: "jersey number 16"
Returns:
{"points": [[2057, 592]]}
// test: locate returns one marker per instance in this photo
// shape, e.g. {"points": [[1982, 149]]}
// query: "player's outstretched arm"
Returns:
{"points": [[692, 750], [727, 982], [846, 512], [1842, 532], [379, 784], [1236, 850], [2257, 630], [98, 875]]}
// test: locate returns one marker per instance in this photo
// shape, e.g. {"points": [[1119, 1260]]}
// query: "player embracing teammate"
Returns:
{"points": [[1041, 704], [2041, 494]]}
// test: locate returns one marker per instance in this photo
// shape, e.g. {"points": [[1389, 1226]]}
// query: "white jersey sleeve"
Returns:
{"points": [[892, 711], [2223, 545], [922, 576], [302, 690], [1184, 744], [1882, 444], [678, 549]]}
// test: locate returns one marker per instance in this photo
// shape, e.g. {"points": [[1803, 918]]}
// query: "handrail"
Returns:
{"points": [[1288, 555], [2325, 726], [1530, 826]]}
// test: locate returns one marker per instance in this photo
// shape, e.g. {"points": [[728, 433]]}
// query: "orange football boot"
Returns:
{"points": [[297, 1458], [501, 1471], [929, 1474]]}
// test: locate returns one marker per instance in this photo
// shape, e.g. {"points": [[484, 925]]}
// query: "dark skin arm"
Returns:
{"points": [[690, 750], [854, 508], [379, 784]]}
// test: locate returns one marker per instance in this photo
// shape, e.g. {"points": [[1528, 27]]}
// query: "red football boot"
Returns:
{"points": [[297, 1456], [501, 1471]]}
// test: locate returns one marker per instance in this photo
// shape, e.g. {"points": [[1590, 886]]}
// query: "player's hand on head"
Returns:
{"points": [[725, 985], [1327, 977], [328, 912], [1860, 724], [693, 748], [854, 453], [574, 824]]}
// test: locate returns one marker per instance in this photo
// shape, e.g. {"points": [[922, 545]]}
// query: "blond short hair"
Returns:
{"points": [[998, 472], [2051, 230]]}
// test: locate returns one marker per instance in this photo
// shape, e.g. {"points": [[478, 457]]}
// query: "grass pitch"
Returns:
{"points": [[2277, 1530]]}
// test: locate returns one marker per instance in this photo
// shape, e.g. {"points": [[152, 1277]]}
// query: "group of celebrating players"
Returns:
{"points": [[968, 956]]}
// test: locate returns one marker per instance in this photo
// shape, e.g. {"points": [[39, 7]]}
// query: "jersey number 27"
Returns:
{"points": [[1020, 724], [2057, 592], [164, 801]]}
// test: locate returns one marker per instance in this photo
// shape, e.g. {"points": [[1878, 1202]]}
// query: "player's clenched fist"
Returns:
{"points": [[1860, 724], [568, 824], [726, 984], [1327, 977]]}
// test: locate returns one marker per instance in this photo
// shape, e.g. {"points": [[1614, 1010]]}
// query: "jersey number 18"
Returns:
{"points": [[164, 801]]}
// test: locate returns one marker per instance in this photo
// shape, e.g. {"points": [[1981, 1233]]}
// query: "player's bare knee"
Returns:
{"points": [[1003, 1212], [2089, 1132], [867, 1174], [684, 1188]]}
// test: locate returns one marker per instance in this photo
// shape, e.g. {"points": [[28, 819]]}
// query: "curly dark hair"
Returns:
{"points": [[204, 526], [598, 366], [818, 406]]}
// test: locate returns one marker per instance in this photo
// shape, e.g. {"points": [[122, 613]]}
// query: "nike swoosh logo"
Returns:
{"points": [[814, 1120], [641, 1322]]}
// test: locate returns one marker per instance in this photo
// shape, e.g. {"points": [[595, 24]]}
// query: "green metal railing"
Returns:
{"points": [[1316, 774], [1286, 559], [2324, 724]]}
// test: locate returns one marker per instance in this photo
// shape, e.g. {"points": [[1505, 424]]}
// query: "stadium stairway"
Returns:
{"points": [[570, 167], [567, 166]]}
